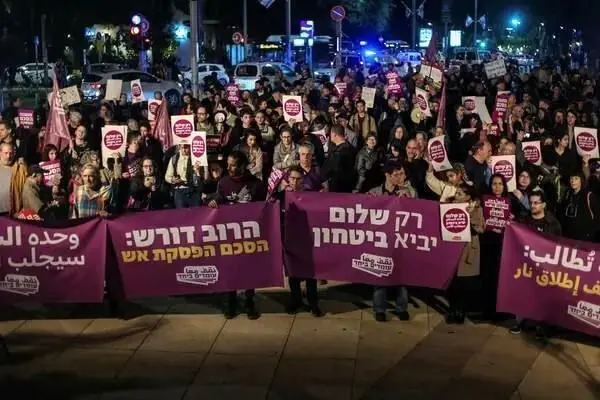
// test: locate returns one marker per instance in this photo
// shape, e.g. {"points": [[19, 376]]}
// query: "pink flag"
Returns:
{"points": [[441, 117], [57, 131], [431, 52], [162, 127]]}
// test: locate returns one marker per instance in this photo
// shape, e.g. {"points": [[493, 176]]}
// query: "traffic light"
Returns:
{"points": [[136, 28]]}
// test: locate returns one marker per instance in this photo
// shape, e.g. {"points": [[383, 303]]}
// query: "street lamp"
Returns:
{"points": [[515, 22]]}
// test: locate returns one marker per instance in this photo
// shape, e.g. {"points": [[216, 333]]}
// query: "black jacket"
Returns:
{"points": [[339, 168]]}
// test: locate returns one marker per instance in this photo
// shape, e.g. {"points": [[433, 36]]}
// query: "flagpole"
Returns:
{"points": [[414, 24]]}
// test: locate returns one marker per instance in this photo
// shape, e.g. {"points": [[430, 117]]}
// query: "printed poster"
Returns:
{"points": [[495, 69], [532, 152], [113, 89], [292, 108], [233, 94], [182, 127], [137, 93], [455, 222], [198, 149], [70, 96], [52, 172], [423, 101], [153, 108], [505, 166], [368, 95], [114, 142], [586, 141], [438, 156], [26, 118], [340, 88], [496, 212]]}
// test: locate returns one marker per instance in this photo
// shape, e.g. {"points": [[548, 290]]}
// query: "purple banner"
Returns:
{"points": [[200, 250], [52, 265], [378, 240], [547, 279]]}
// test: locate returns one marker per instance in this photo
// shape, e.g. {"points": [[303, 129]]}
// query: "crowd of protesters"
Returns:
{"points": [[380, 150]]}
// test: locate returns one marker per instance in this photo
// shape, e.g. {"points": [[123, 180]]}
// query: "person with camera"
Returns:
{"points": [[146, 191], [187, 181]]}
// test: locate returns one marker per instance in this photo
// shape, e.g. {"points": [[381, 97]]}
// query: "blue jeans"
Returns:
{"points": [[186, 198], [380, 298]]}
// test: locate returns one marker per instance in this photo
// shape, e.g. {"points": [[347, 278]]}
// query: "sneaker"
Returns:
{"points": [[292, 309], [403, 316], [380, 317], [316, 312], [251, 311], [540, 333], [516, 329], [230, 312]]}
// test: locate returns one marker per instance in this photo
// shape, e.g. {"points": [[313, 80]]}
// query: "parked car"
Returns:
{"points": [[205, 70], [246, 74], [94, 85], [33, 74]]}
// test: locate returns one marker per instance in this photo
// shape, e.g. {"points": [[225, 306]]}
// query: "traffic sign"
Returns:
{"points": [[338, 13], [237, 38]]}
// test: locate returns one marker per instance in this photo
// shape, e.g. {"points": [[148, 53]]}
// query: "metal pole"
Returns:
{"points": [[44, 48], [245, 28], [475, 22], [338, 62], [200, 26], [194, 46], [414, 24], [288, 31], [447, 40]]}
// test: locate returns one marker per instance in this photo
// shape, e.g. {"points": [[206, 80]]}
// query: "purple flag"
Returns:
{"points": [[548, 279], [52, 265], [200, 250], [378, 240]]}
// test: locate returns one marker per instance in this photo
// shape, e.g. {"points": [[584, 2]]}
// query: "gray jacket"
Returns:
{"points": [[284, 158]]}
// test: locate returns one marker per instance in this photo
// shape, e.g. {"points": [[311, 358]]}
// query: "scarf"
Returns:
{"points": [[17, 180]]}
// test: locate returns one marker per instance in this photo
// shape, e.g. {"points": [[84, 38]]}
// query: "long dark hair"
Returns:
{"points": [[504, 184]]}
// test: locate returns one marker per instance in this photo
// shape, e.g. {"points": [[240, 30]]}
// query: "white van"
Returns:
{"points": [[409, 56], [246, 74]]}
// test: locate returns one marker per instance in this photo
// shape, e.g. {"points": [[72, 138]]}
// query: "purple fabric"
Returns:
{"points": [[199, 250], [52, 265], [549, 279], [381, 240]]}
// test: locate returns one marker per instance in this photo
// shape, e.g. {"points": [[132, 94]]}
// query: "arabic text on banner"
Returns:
{"points": [[52, 265], [377, 240], [550, 280]]}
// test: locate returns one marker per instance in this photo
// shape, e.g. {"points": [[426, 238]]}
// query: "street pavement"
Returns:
{"points": [[182, 348]]}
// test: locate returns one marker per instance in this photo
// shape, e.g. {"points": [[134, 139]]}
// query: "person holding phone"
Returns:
{"points": [[146, 191]]}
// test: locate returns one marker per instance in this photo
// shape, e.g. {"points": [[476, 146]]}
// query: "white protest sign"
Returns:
{"points": [[464, 131], [153, 109], [505, 166], [69, 96], [113, 89], [482, 110], [438, 155], [586, 141], [323, 138], [341, 87], [433, 73], [495, 69], [368, 96], [455, 222], [423, 101], [52, 172], [532, 152], [292, 108], [182, 127], [114, 142], [137, 93], [198, 149]]}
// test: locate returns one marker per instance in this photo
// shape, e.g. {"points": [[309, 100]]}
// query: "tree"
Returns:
{"points": [[372, 14]]}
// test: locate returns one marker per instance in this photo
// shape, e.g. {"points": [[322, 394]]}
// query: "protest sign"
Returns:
{"points": [[376, 240], [476, 105], [114, 142], [368, 95], [505, 166], [549, 279], [52, 172], [137, 93], [232, 92], [52, 265], [167, 253], [340, 88], [432, 73], [495, 69], [292, 108], [26, 118], [500, 108], [393, 84], [274, 181], [322, 135], [182, 127], [532, 152], [113, 89], [423, 101], [438, 156], [153, 109], [70, 96], [198, 149], [586, 142], [455, 222], [496, 212]]}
